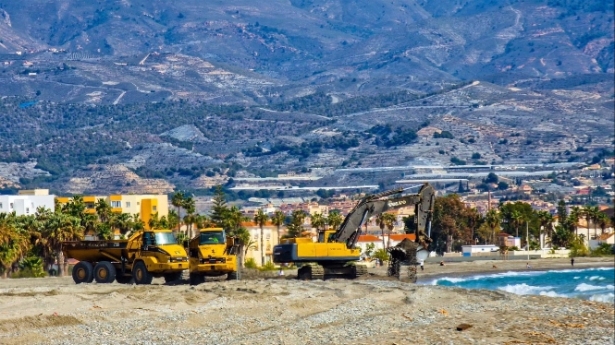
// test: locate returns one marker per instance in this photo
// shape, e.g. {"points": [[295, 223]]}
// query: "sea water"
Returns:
{"points": [[594, 284]]}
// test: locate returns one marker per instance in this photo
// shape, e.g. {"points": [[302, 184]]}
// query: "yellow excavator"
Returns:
{"points": [[335, 253]]}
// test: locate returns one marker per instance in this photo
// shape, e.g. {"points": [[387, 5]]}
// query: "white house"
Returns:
{"points": [[607, 238], [27, 201], [471, 250]]}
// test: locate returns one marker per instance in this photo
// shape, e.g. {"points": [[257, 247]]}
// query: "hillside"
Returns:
{"points": [[181, 96]]}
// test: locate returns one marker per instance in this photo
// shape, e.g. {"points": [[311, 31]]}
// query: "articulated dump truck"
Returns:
{"points": [[145, 255], [212, 254]]}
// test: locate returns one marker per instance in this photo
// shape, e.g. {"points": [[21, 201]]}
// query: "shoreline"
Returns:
{"points": [[426, 279]]}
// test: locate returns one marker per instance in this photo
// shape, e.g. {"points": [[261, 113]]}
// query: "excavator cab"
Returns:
{"points": [[326, 236]]}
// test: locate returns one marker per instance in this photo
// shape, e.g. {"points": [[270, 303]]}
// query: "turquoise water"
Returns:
{"points": [[594, 284]]}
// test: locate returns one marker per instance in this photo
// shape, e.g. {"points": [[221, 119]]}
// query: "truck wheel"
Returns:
{"points": [[171, 277], [83, 272], [141, 275], [196, 279], [104, 272], [124, 279], [231, 276]]}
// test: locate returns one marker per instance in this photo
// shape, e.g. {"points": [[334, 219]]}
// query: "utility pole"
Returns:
{"points": [[527, 235]]}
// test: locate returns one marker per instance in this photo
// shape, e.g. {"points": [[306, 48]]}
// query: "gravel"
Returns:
{"points": [[285, 311]]}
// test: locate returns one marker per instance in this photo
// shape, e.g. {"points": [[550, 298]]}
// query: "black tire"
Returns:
{"points": [[231, 276], [196, 279], [104, 272], [171, 277], [124, 279], [83, 272], [140, 274]]}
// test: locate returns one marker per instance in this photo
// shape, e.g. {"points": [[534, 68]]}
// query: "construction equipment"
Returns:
{"points": [[140, 258], [212, 254], [335, 254]]}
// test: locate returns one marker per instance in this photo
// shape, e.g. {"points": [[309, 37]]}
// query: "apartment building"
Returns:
{"points": [[270, 239], [146, 205], [27, 201]]}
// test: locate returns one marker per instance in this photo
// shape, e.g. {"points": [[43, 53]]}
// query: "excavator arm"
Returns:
{"points": [[372, 205]]}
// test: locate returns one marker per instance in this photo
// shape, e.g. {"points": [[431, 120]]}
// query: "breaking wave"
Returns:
{"points": [[570, 283]]}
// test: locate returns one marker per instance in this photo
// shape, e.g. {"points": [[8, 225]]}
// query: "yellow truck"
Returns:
{"points": [[212, 254], [335, 254], [140, 258]]}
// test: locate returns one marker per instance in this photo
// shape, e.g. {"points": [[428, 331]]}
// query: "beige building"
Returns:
{"points": [[270, 236], [146, 205]]}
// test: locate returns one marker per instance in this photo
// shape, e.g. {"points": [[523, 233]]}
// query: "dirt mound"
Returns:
{"points": [[37, 322]]}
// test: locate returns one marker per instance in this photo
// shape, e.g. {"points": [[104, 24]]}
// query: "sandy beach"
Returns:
{"points": [[372, 310]]}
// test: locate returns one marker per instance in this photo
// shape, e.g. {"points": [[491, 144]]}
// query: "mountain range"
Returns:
{"points": [[133, 94]]}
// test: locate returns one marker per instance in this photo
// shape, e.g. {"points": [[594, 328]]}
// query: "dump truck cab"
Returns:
{"points": [[212, 253]]}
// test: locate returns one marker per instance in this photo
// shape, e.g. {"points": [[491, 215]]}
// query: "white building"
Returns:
{"points": [[471, 250], [27, 201]]}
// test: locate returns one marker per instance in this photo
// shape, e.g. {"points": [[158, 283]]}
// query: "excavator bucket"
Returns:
{"points": [[403, 254]]}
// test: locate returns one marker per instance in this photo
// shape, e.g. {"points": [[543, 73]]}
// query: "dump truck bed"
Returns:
{"points": [[95, 251]]}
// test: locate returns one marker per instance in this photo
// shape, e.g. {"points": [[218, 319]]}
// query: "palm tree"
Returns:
{"points": [[603, 221], [178, 201], [296, 224], [189, 205], [123, 222], [173, 219], [588, 213], [573, 219], [493, 219], [389, 221], [137, 223], [154, 222], [595, 216], [546, 222], [334, 219], [318, 221], [61, 228], [380, 220], [103, 209], [13, 245], [234, 218], [260, 218], [517, 219], [278, 218]]}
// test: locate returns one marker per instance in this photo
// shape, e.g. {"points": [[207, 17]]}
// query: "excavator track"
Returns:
{"points": [[311, 272], [360, 270]]}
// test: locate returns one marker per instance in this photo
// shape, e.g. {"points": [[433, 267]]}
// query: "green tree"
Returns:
{"points": [[369, 249], [278, 219], [260, 218], [318, 221], [219, 212], [177, 200], [389, 221], [190, 206], [546, 223], [493, 219], [334, 219]]}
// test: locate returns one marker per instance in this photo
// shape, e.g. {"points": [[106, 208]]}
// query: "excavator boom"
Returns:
{"points": [[372, 205]]}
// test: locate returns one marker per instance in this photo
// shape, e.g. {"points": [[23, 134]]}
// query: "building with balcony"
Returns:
{"points": [[27, 201], [145, 205]]}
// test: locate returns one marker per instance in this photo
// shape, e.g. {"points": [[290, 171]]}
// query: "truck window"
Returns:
{"points": [[212, 237], [165, 238]]}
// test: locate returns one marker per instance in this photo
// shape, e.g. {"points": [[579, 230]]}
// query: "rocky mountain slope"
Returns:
{"points": [[188, 93]]}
